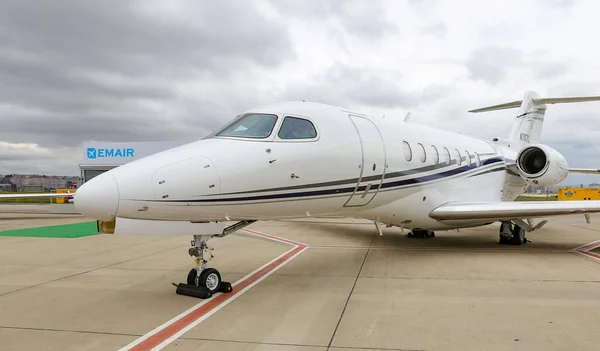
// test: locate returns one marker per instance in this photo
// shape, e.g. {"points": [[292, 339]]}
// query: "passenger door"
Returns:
{"points": [[373, 165]]}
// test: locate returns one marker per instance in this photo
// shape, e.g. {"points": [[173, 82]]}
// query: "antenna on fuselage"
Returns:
{"points": [[407, 118]]}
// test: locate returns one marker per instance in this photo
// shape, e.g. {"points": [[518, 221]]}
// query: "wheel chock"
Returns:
{"points": [[225, 287], [192, 291]]}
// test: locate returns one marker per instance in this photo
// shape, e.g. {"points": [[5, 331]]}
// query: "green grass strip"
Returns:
{"points": [[76, 230]]}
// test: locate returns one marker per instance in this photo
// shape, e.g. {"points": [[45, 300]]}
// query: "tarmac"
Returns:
{"points": [[314, 284]]}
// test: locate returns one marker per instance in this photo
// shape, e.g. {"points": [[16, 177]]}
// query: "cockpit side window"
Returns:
{"points": [[253, 125], [297, 128]]}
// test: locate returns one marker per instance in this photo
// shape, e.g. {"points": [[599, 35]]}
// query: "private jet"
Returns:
{"points": [[305, 159]]}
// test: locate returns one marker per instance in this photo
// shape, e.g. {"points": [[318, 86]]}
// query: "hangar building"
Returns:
{"points": [[99, 157]]}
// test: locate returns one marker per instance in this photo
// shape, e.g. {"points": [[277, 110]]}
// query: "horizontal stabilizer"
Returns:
{"points": [[584, 170], [538, 101], [499, 211], [565, 100], [505, 106]]}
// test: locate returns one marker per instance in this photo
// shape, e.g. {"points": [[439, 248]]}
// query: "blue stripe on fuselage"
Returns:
{"points": [[393, 184]]}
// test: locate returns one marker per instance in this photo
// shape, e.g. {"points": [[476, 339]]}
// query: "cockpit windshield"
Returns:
{"points": [[254, 125]]}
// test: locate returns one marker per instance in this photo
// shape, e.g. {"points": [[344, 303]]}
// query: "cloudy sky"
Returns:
{"points": [[77, 71]]}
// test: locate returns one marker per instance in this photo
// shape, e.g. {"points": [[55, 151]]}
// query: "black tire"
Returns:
{"points": [[518, 237], [191, 278], [210, 278], [502, 240]]}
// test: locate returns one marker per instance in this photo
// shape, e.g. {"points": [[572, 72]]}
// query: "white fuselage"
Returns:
{"points": [[357, 166]]}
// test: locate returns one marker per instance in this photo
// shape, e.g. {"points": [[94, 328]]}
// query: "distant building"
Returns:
{"points": [[40, 183]]}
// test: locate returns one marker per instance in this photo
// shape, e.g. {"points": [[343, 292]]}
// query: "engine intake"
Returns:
{"points": [[542, 165], [533, 160]]}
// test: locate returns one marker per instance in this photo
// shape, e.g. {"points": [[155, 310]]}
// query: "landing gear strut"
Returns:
{"points": [[512, 234], [201, 275]]}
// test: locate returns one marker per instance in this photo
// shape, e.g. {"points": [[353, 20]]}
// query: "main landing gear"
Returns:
{"points": [[203, 281], [512, 234], [421, 233]]}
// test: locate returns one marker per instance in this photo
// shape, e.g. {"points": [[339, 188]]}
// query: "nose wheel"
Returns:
{"points": [[201, 280], [209, 278]]}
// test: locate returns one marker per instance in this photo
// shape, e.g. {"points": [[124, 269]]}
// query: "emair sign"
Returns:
{"points": [[93, 153]]}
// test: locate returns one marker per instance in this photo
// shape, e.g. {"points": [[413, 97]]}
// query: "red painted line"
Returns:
{"points": [[215, 301], [276, 238], [426, 248], [589, 246], [586, 249], [591, 254]]}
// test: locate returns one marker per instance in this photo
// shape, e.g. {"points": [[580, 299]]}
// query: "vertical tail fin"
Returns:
{"points": [[527, 127]]}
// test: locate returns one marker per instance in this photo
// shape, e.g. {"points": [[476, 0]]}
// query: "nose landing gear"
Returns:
{"points": [[203, 281], [201, 275]]}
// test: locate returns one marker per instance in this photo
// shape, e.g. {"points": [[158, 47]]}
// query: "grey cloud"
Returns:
{"points": [[116, 33], [551, 70], [490, 64], [557, 3], [347, 86], [437, 29], [417, 3], [73, 71], [365, 19]]}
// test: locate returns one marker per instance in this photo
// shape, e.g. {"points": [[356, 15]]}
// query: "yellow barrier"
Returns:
{"points": [[566, 194], [62, 200]]}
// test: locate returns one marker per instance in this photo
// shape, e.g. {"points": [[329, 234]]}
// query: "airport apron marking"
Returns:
{"points": [[165, 334], [586, 250]]}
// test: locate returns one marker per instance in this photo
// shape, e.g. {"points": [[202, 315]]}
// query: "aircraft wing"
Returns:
{"points": [[36, 195], [498, 211]]}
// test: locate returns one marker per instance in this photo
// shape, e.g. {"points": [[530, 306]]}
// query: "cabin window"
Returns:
{"points": [[253, 125], [422, 155], [297, 128], [477, 160], [458, 157], [468, 157], [407, 150], [447, 155], [435, 156]]}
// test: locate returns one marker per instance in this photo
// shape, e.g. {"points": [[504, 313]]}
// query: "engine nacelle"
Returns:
{"points": [[542, 165]]}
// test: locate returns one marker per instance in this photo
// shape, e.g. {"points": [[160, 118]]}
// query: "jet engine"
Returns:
{"points": [[542, 165]]}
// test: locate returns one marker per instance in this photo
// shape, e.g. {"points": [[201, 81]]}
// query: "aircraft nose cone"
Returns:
{"points": [[98, 198]]}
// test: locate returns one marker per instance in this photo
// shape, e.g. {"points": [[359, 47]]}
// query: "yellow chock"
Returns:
{"points": [[106, 227]]}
